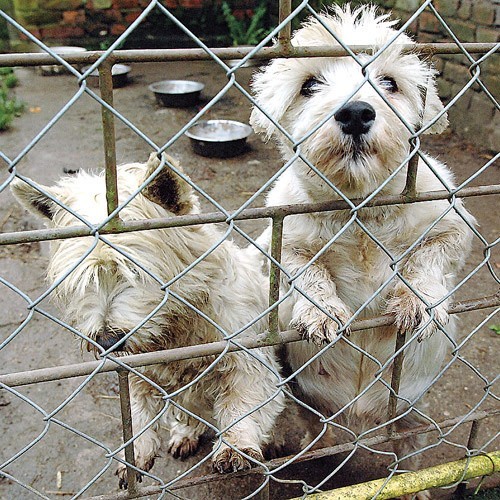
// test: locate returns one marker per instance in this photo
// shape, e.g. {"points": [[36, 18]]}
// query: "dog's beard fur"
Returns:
{"points": [[357, 165]]}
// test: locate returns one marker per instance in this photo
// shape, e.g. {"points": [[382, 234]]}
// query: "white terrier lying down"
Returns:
{"points": [[358, 144], [108, 295]]}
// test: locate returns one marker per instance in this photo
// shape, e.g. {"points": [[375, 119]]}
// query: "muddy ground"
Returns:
{"points": [[75, 142]]}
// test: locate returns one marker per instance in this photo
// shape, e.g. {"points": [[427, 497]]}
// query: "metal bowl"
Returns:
{"points": [[177, 93], [219, 138], [57, 69], [119, 74]]}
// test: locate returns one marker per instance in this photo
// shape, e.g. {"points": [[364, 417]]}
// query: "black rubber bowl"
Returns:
{"points": [[219, 138], [177, 93]]}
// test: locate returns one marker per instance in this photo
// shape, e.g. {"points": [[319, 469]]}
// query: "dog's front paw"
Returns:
{"points": [[121, 472], [183, 447], [228, 460], [410, 313], [316, 326]]}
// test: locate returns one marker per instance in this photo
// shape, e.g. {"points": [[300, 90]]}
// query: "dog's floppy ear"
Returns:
{"points": [[273, 95], [167, 189], [433, 107], [32, 199]]}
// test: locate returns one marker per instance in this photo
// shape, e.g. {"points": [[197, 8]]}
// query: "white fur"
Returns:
{"points": [[108, 292], [344, 379]]}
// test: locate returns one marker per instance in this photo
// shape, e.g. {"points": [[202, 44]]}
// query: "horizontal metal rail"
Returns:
{"points": [[247, 214], [310, 455], [209, 349], [162, 55]]}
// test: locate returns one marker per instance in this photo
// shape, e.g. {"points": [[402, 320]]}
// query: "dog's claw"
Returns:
{"points": [[410, 314], [183, 448], [318, 328], [229, 460]]}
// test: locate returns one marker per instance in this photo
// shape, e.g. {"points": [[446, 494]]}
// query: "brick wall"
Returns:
{"points": [[474, 115], [86, 22], [76, 19]]}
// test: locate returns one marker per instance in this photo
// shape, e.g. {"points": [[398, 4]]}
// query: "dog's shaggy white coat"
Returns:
{"points": [[108, 294], [353, 257]]}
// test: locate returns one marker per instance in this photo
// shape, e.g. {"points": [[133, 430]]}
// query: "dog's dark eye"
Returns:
{"points": [[309, 87], [389, 84]]}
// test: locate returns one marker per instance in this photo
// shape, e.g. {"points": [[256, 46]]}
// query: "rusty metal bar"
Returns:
{"points": [[209, 349], [410, 188], [311, 455], [164, 55], [274, 277], [108, 131], [471, 445], [397, 367], [128, 433], [250, 213], [285, 8]]}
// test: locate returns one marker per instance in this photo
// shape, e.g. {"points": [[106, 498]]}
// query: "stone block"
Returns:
{"points": [[118, 29], [491, 65], [60, 4], [465, 31], [492, 139], [486, 35], [444, 88], [457, 114], [428, 22], [446, 8], [465, 9], [492, 83], [100, 4], [130, 17], [483, 12], [125, 4], [456, 73], [407, 5], [74, 17]]}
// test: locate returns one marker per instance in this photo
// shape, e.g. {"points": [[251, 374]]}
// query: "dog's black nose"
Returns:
{"points": [[355, 118], [108, 338]]}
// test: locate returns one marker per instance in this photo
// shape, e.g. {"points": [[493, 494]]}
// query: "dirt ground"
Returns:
{"points": [[75, 142]]}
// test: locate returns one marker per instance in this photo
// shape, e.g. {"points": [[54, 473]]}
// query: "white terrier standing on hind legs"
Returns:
{"points": [[111, 292], [353, 135]]}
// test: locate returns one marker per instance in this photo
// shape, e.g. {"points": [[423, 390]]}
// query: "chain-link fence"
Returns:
{"points": [[367, 257]]}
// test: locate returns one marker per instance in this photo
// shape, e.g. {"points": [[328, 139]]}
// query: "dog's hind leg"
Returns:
{"points": [[244, 385], [185, 429]]}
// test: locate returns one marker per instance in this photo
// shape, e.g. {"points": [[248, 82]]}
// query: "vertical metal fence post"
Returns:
{"points": [[395, 381], [471, 445], [128, 432], [285, 8], [274, 276], [108, 130], [410, 188]]}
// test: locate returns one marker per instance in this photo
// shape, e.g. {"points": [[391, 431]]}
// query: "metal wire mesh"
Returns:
{"points": [[65, 414]]}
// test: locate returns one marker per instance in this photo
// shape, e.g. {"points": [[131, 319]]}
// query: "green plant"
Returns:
{"points": [[249, 30], [10, 107], [8, 77], [495, 328]]}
